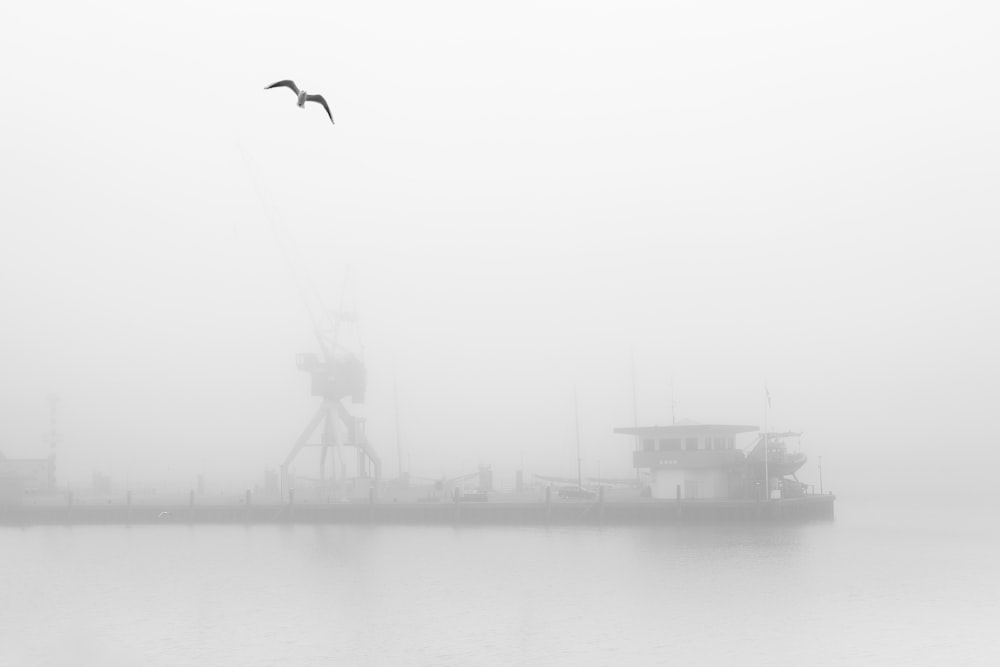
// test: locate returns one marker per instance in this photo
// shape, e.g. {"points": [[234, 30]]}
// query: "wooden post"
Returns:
{"points": [[548, 503]]}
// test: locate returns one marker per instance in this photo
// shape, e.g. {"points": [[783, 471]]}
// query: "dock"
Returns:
{"points": [[552, 512]]}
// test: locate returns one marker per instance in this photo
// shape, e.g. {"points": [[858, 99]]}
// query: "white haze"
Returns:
{"points": [[525, 195]]}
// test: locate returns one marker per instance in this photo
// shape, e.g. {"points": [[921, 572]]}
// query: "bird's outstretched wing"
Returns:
{"points": [[287, 83], [319, 98]]}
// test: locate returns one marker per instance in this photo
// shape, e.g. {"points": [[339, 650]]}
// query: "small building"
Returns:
{"points": [[691, 460], [11, 489], [35, 475], [100, 484]]}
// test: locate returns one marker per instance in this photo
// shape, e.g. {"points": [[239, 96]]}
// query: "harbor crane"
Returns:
{"points": [[337, 374]]}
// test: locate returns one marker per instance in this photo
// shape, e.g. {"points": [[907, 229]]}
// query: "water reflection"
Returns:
{"points": [[491, 595]]}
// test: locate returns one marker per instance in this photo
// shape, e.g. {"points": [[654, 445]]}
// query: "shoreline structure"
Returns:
{"points": [[685, 472], [513, 512]]}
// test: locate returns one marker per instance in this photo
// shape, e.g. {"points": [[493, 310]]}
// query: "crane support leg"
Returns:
{"points": [[357, 438], [299, 444]]}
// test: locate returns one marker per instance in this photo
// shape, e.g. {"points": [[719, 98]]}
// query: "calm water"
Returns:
{"points": [[870, 588]]}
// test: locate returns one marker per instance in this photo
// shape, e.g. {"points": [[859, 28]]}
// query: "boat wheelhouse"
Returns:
{"points": [[695, 461], [690, 460]]}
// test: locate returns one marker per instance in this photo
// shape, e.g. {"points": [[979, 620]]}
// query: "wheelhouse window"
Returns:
{"points": [[670, 444]]}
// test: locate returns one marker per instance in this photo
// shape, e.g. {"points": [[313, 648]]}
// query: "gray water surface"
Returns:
{"points": [[868, 588]]}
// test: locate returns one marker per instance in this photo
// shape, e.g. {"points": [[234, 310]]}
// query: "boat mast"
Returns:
{"points": [[635, 415], [767, 480], [395, 403], [579, 465]]}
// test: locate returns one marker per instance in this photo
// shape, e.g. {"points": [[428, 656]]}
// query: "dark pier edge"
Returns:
{"points": [[648, 512]]}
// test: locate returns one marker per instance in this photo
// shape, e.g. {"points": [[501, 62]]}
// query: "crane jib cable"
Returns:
{"points": [[304, 285]]}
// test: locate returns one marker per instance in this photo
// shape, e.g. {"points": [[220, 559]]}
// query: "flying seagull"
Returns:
{"points": [[303, 96]]}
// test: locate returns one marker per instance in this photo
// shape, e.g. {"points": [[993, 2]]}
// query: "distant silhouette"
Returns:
{"points": [[303, 97], [163, 515]]}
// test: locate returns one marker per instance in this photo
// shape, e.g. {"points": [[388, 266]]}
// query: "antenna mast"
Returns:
{"points": [[673, 403]]}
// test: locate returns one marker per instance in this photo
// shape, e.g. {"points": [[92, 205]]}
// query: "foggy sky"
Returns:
{"points": [[526, 196]]}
